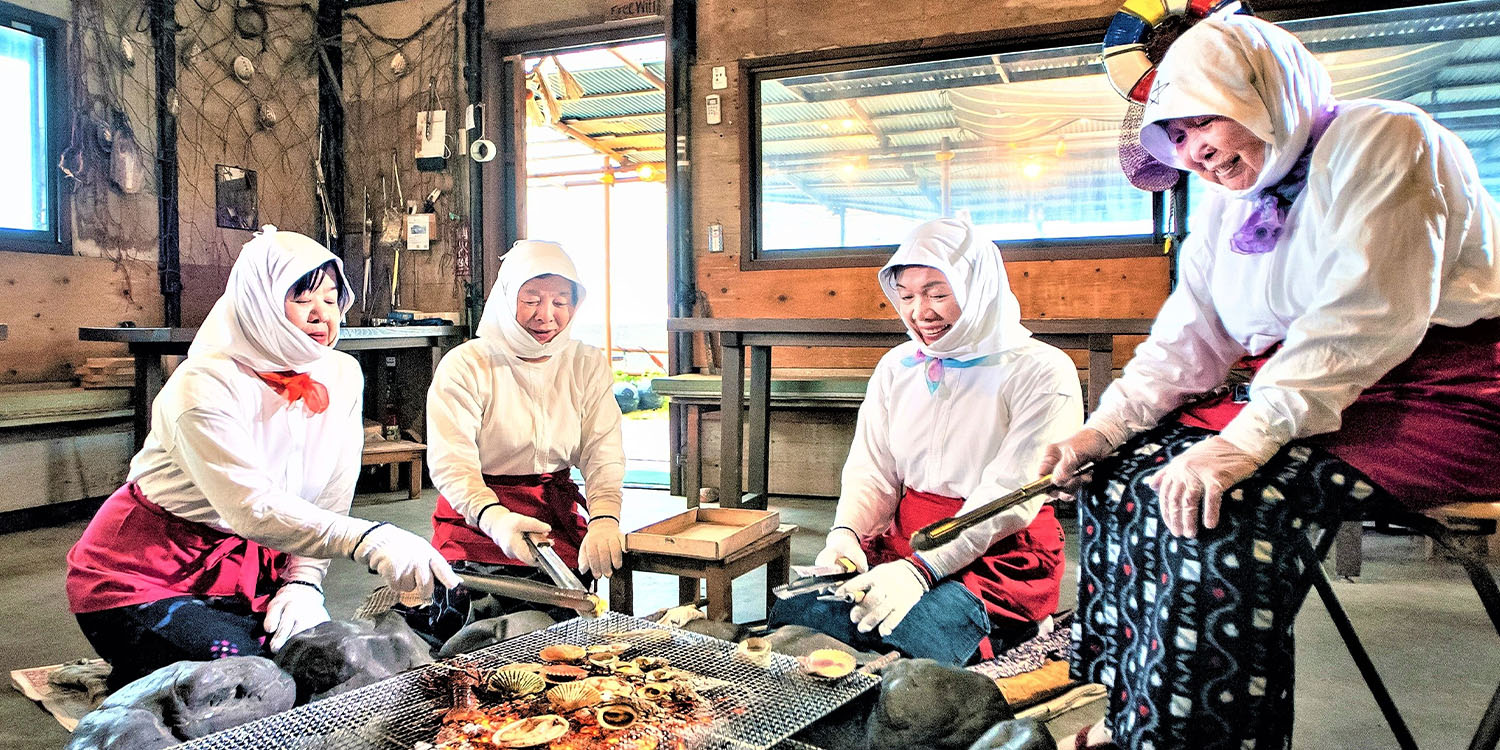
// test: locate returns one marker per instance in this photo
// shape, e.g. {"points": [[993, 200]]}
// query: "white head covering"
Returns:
{"points": [[989, 320], [1250, 71], [249, 322], [526, 260]]}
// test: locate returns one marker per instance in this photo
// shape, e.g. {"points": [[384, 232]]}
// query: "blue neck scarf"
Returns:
{"points": [[935, 366]]}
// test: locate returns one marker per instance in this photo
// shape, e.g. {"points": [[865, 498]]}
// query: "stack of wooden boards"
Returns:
{"points": [[106, 372]]}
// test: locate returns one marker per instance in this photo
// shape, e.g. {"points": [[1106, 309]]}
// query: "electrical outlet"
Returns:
{"points": [[721, 78], [715, 115]]}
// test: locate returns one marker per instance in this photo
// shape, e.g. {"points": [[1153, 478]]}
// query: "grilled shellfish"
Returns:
{"points": [[649, 663], [655, 690], [562, 652], [511, 681], [532, 731], [626, 669], [610, 685], [617, 714], [573, 696], [560, 673], [829, 663]]}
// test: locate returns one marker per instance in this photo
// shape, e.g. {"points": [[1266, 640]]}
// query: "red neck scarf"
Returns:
{"points": [[294, 386]]}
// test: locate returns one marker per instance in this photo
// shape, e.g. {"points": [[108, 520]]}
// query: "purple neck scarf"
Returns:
{"points": [[1262, 229]]}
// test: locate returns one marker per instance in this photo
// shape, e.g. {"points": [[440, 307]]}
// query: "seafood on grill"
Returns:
{"points": [[563, 652], [560, 673], [603, 660], [573, 696], [828, 663], [649, 663], [616, 648], [667, 674], [627, 669], [513, 682], [608, 686], [531, 731], [655, 690], [617, 714], [756, 651]]}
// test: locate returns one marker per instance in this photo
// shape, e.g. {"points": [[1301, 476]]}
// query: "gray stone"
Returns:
{"points": [[1016, 734], [487, 632], [924, 704], [341, 655]]}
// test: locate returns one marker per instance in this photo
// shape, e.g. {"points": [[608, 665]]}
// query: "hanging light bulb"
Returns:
{"points": [[646, 172], [1032, 168]]}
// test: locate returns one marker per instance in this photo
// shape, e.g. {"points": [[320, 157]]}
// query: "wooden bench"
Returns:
{"points": [[773, 550], [395, 453]]}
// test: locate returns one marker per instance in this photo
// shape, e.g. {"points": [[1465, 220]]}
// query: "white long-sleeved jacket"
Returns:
{"points": [[489, 412], [1392, 234]]}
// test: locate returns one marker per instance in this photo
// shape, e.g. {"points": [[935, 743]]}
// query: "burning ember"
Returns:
{"points": [[609, 704]]}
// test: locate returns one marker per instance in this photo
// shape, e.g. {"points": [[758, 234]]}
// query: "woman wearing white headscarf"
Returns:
{"points": [[1349, 250], [952, 419], [509, 414], [240, 494]]}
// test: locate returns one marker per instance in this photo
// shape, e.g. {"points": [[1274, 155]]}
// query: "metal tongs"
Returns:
{"points": [[937, 534], [822, 580], [569, 592]]}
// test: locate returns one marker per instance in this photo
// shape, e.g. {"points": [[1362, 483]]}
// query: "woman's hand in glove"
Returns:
{"points": [[295, 608], [1194, 482], [884, 595], [507, 528], [603, 548], [406, 561], [1064, 458], [843, 542]]}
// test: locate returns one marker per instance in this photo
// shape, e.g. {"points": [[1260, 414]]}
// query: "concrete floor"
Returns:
{"points": [[1420, 618]]}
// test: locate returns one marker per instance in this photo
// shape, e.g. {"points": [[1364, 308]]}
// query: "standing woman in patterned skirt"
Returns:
{"points": [[1348, 250]]}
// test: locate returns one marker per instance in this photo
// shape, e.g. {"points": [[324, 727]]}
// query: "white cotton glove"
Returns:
{"points": [[843, 542], [1063, 458], [295, 608], [1196, 480], [603, 548], [884, 595], [507, 528], [406, 561]]}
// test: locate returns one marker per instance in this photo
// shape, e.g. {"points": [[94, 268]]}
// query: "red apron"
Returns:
{"points": [[1427, 431], [134, 552], [1018, 579], [550, 498]]}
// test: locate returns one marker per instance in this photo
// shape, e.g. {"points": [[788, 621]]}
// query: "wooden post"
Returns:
{"points": [[609, 334]]}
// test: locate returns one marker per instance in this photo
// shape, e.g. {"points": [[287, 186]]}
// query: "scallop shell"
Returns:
{"points": [[666, 674], [532, 731], [757, 651], [829, 663], [573, 696], [602, 660], [617, 714], [616, 648], [562, 652], [610, 685], [513, 681], [649, 663], [561, 673], [655, 690], [627, 669]]}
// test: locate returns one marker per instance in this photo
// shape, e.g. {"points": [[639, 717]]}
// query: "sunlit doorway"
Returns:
{"points": [[595, 183]]}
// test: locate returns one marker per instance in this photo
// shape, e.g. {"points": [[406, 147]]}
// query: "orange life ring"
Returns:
{"points": [[1129, 70]]}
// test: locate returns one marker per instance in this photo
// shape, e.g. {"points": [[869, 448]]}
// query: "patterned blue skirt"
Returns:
{"points": [[1193, 637]]}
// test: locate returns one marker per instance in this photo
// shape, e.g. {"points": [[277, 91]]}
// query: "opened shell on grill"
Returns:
{"points": [[617, 714], [626, 669], [757, 651], [655, 690], [829, 663], [532, 731], [562, 652], [602, 660], [610, 686], [648, 663], [573, 696], [616, 648], [667, 674], [560, 673], [513, 681]]}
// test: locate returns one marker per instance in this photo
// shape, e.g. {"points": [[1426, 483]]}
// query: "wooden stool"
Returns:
{"points": [[773, 551], [395, 453], [1472, 523]]}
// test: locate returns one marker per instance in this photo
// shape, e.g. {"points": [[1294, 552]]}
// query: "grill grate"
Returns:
{"points": [[755, 707]]}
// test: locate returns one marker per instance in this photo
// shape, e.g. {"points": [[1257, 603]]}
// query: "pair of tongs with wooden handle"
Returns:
{"points": [[937, 534]]}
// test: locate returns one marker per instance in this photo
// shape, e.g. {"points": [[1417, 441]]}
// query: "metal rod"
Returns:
{"points": [[582, 602], [169, 271], [946, 530]]}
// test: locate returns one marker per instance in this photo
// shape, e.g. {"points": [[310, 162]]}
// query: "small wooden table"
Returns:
{"points": [[773, 551], [395, 453]]}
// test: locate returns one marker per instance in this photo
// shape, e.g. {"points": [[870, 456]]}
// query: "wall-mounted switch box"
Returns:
{"points": [[715, 115]]}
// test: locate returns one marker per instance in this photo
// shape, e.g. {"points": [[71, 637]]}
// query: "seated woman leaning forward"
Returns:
{"points": [[1350, 249], [953, 419], [508, 416], [221, 537]]}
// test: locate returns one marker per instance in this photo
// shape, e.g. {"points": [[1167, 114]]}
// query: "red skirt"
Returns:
{"points": [[1018, 579], [134, 552], [1427, 431], [550, 498]]}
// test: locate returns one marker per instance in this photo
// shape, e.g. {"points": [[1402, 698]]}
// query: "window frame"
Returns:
{"points": [[52, 30], [752, 71]]}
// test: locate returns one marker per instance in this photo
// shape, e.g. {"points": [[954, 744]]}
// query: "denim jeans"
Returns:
{"points": [[946, 624]]}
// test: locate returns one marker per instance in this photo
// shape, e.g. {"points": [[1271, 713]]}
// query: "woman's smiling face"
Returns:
{"points": [[1217, 149]]}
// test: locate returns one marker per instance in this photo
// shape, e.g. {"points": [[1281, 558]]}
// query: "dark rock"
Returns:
{"points": [[844, 728], [1016, 734], [184, 701], [924, 704], [484, 633], [724, 631], [341, 655]]}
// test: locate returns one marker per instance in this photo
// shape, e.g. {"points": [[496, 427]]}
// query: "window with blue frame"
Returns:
{"points": [[28, 147], [1022, 143]]}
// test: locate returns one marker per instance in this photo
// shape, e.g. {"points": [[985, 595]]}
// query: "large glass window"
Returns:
{"points": [[28, 195], [1024, 144]]}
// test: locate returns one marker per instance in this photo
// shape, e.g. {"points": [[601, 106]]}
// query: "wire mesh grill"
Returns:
{"points": [[753, 706]]}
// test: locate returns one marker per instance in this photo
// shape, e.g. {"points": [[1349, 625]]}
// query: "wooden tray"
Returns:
{"points": [[704, 533]]}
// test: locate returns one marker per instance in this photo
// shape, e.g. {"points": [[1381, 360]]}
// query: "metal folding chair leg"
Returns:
{"points": [[1314, 574]]}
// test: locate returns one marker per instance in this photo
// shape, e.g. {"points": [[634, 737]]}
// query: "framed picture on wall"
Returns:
{"points": [[237, 203]]}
